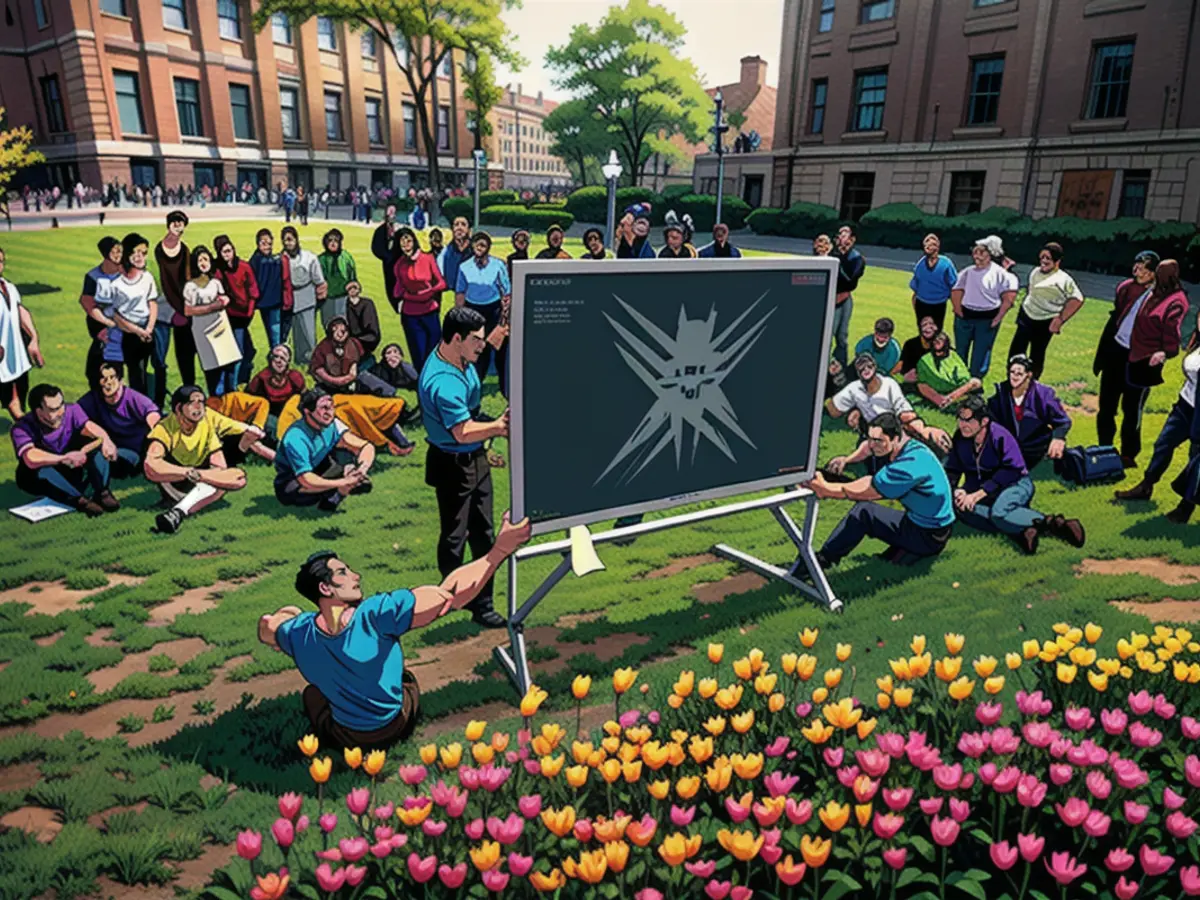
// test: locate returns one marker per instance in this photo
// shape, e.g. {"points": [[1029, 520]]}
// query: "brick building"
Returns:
{"points": [[524, 145], [1088, 108], [185, 92]]}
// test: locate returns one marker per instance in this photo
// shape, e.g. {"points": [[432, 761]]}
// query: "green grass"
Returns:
{"points": [[981, 586]]}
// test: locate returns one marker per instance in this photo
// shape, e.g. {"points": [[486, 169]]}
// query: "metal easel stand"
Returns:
{"points": [[514, 659]]}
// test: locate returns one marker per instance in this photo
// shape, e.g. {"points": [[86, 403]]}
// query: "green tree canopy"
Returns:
{"points": [[481, 91], [579, 136]]}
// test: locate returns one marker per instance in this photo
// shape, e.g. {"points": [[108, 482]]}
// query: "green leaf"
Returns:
{"points": [[966, 885], [843, 885], [307, 890], [1037, 895], [922, 846], [375, 892], [220, 893], [979, 875], [912, 874], [982, 836]]}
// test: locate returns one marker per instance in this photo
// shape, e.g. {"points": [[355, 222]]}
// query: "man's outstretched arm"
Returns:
{"points": [[269, 624]]}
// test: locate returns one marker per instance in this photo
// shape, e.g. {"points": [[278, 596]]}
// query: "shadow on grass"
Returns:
{"points": [[33, 288], [1158, 529]]}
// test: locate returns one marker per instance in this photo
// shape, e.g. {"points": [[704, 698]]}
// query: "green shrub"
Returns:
{"points": [[134, 858], [675, 191], [764, 220], [160, 662], [590, 204], [131, 724], [703, 210], [86, 579], [458, 206], [807, 220], [1191, 259], [520, 217], [559, 205], [203, 708], [497, 198], [163, 713]]}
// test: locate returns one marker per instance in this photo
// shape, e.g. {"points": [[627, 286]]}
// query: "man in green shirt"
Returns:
{"points": [[942, 377], [338, 267]]}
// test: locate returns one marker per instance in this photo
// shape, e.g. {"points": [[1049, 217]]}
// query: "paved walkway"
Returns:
{"points": [[133, 215]]}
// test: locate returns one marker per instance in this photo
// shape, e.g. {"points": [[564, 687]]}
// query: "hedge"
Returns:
{"points": [[801, 220], [458, 206], [703, 210], [675, 191], [498, 198], [516, 216], [590, 204]]}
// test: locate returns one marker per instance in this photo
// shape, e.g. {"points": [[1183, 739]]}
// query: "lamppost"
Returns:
{"points": [[480, 158], [611, 171], [718, 130]]}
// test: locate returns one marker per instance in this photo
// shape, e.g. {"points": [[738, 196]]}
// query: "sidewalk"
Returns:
{"points": [[134, 215]]}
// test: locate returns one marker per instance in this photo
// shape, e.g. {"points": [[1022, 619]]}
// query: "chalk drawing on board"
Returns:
{"points": [[685, 378]]}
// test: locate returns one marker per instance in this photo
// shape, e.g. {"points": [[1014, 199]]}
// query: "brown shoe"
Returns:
{"points": [[1180, 514], [1069, 530], [1027, 540], [89, 508], [1143, 490], [108, 501]]}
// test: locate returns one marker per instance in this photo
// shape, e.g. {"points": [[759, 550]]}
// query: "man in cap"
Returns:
{"points": [[633, 241]]}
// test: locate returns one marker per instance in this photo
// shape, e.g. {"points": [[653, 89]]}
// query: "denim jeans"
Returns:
{"points": [[1182, 426], [491, 316], [841, 330], [1009, 513], [892, 526], [973, 339], [158, 361], [64, 484], [243, 371], [422, 333], [272, 320]]}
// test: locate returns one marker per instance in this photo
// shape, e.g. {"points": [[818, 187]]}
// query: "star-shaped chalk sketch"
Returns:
{"points": [[685, 376]]}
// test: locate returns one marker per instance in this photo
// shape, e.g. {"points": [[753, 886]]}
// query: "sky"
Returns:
{"points": [[719, 33]]}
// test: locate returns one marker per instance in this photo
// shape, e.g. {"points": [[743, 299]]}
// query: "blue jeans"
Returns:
{"points": [[64, 484], [272, 320], [244, 370], [1009, 513], [973, 339], [422, 333], [222, 381], [128, 464], [841, 330], [158, 361], [892, 526], [1182, 426]]}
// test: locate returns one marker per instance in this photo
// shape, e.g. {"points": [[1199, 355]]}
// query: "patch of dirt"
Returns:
{"points": [[1150, 567], [593, 717], [209, 554], [99, 820], [683, 564], [180, 651], [195, 873], [1089, 404], [1076, 385], [52, 597], [41, 823], [19, 777], [48, 640], [101, 637], [716, 591], [194, 601], [570, 620], [1165, 610]]}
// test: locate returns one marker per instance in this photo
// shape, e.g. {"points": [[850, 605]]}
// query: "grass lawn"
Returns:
{"points": [[97, 689]]}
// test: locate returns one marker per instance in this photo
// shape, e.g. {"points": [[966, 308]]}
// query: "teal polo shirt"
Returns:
{"points": [[918, 481], [448, 395]]}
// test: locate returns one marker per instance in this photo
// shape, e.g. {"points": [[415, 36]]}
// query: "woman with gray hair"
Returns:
{"points": [[982, 297]]}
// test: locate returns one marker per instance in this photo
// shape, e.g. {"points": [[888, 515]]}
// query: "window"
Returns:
{"points": [[966, 193], [816, 119], [877, 10], [443, 126], [229, 19], [114, 7], [447, 64], [187, 106], [1112, 66], [281, 29], [39, 13], [239, 104], [983, 105], [56, 119], [410, 126], [333, 115], [401, 47], [289, 111], [175, 14], [129, 102], [870, 92], [825, 23], [374, 120], [326, 33], [1134, 188], [858, 189], [978, 4], [369, 47]]}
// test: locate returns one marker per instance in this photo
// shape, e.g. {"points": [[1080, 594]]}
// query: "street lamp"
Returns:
{"points": [[719, 129], [480, 158], [611, 171]]}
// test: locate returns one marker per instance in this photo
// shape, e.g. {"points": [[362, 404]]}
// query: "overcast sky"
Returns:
{"points": [[719, 33]]}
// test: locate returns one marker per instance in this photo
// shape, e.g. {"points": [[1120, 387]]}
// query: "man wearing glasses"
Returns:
{"points": [[906, 471]]}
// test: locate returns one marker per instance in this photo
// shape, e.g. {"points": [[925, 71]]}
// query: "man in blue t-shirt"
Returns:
{"points": [[359, 692], [482, 284], [910, 474], [319, 462]]}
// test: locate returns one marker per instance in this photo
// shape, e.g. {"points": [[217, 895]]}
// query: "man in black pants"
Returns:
{"points": [[457, 465]]}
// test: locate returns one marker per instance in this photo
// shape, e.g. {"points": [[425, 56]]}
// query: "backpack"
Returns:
{"points": [[1085, 466]]}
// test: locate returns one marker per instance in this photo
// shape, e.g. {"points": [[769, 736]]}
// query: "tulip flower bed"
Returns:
{"points": [[784, 782]]}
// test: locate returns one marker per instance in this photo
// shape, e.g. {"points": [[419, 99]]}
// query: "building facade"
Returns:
{"points": [[524, 145], [184, 92], [1087, 108]]}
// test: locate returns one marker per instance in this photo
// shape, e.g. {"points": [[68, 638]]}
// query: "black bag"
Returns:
{"points": [[1090, 465]]}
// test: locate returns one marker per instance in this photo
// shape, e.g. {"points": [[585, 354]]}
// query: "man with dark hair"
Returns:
{"points": [[360, 694], [851, 266], [720, 248], [437, 243], [274, 276], [554, 245], [520, 243], [338, 267], [125, 415], [60, 453], [483, 286], [383, 247], [593, 241], [311, 467], [908, 472], [1032, 412], [881, 345], [996, 488], [171, 256], [98, 318], [457, 465], [912, 351], [451, 257], [942, 377]]}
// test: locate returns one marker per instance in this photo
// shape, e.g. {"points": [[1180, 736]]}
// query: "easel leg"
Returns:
{"points": [[514, 659]]}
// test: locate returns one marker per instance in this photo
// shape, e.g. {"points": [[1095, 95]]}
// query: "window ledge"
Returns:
{"points": [[1089, 126], [877, 37], [174, 30], [992, 21], [295, 142], [127, 136], [1103, 7], [811, 139], [195, 139], [823, 47], [977, 131], [247, 142], [865, 136], [117, 16]]}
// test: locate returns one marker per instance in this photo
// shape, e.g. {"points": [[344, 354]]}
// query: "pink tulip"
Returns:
{"points": [[1006, 781], [1171, 800], [457, 805], [249, 844], [513, 757], [1118, 860], [422, 870], [895, 798], [1003, 856], [333, 854], [1142, 736], [1074, 812], [873, 762], [765, 816], [959, 810], [886, 826], [736, 811], [302, 824], [890, 743], [495, 880], [381, 849], [328, 880], [384, 812], [1125, 889], [771, 854], [353, 849], [530, 805], [1079, 719], [988, 714], [1189, 880], [474, 829], [833, 756], [793, 876], [1113, 721], [290, 804], [1135, 813], [358, 800], [741, 892], [1030, 846], [648, 894], [533, 767], [988, 773], [718, 890], [931, 806], [798, 813], [355, 875], [803, 709], [519, 865], [1061, 773], [452, 877], [967, 782], [583, 830], [1140, 703], [1038, 734], [1064, 869], [441, 793], [284, 832], [1190, 728], [1004, 742], [506, 831], [1096, 824], [1030, 791], [701, 868], [629, 719], [412, 775], [417, 802], [777, 747], [974, 744], [924, 758], [944, 831], [468, 778], [1097, 755], [1033, 704], [1163, 708], [1099, 784], [916, 739], [1180, 825], [896, 857], [1191, 770], [1128, 775], [947, 778], [1059, 747], [434, 828], [682, 817], [1153, 862], [383, 833], [492, 777], [778, 784], [847, 775], [328, 822]]}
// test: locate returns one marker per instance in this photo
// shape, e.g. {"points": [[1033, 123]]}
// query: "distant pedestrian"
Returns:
{"points": [[982, 297]]}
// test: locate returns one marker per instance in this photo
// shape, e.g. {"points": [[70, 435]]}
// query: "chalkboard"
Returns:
{"points": [[640, 385]]}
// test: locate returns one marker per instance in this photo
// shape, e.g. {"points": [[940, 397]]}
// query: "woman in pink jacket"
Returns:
{"points": [[419, 287]]}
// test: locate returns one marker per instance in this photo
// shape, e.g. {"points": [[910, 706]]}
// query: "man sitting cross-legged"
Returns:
{"points": [[942, 377], [360, 694], [908, 472], [308, 470], [186, 456], [124, 414], [912, 351]]}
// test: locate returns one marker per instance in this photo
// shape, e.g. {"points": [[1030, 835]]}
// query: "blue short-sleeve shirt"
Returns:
{"points": [[448, 395], [303, 448], [483, 284], [358, 670], [917, 480]]}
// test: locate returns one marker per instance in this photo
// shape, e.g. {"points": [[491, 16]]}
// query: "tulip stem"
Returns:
{"points": [[816, 883], [1025, 880], [895, 878], [942, 880]]}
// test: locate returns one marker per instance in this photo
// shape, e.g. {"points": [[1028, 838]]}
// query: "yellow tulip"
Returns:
{"points": [[577, 776], [954, 644], [1060, 627], [590, 868], [611, 744], [353, 757], [948, 668], [787, 662], [741, 845], [686, 683], [686, 787], [1125, 649], [833, 677], [700, 749], [865, 727], [677, 848], [581, 751], [806, 667], [994, 685], [623, 679], [1126, 672], [1098, 680], [429, 754], [555, 880], [374, 762], [730, 697], [1030, 649], [1092, 632], [765, 684], [1083, 656], [617, 855], [451, 756], [884, 684], [902, 697], [961, 689], [308, 745], [674, 701], [1065, 673], [612, 829], [499, 742], [1109, 666], [919, 665], [918, 644], [659, 789], [610, 770], [482, 753], [757, 658], [656, 755], [319, 769], [1013, 661], [808, 637], [985, 666], [842, 714], [612, 729], [862, 812], [415, 816], [741, 668], [559, 821], [486, 856], [883, 701], [843, 651], [532, 701], [679, 736], [815, 850], [474, 730], [716, 652], [718, 775], [1184, 635], [834, 816], [707, 688], [749, 766], [1074, 635], [638, 735], [580, 686], [901, 669], [552, 765], [715, 726], [1050, 652], [632, 771], [817, 732], [776, 702], [820, 695], [742, 722], [1194, 673]]}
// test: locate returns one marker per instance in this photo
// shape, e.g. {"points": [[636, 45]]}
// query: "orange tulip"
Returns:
{"points": [[815, 850], [552, 765], [486, 856], [553, 881], [271, 886], [590, 868], [678, 848], [308, 745], [559, 822], [353, 757], [718, 775], [834, 816], [319, 769], [414, 817], [742, 722], [429, 754], [749, 766], [617, 855], [741, 845]]}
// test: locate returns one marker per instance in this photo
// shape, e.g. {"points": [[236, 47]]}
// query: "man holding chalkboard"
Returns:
{"points": [[457, 466]]}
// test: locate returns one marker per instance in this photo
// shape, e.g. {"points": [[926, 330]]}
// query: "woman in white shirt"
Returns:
{"points": [[982, 297], [1052, 299], [204, 303], [132, 298]]}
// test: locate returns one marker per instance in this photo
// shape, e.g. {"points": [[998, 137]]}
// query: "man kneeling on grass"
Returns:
{"points": [[359, 692]]}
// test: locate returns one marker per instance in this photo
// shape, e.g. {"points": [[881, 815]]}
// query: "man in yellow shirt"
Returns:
{"points": [[186, 456]]}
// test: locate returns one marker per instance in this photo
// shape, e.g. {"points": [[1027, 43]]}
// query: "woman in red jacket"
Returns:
{"points": [[241, 287], [419, 286]]}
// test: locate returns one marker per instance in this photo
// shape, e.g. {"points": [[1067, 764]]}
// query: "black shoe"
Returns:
{"points": [[1128, 462], [823, 561], [330, 502], [168, 522], [89, 508], [363, 487], [1143, 490], [1027, 540], [488, 618], [1180, 514]]}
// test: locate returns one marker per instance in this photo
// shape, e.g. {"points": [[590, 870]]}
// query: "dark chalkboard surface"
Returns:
{"points": [[640, 385]]}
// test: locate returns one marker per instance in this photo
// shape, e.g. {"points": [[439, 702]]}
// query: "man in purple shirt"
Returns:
{"points": [[60, 453], [996, 488], [125, 414]]}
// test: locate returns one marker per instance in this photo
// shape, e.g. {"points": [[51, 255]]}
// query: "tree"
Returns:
{"points": [[420, 33], [15, 155], [579, 137], [480, 90], [736, 119], [629, 70]]}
